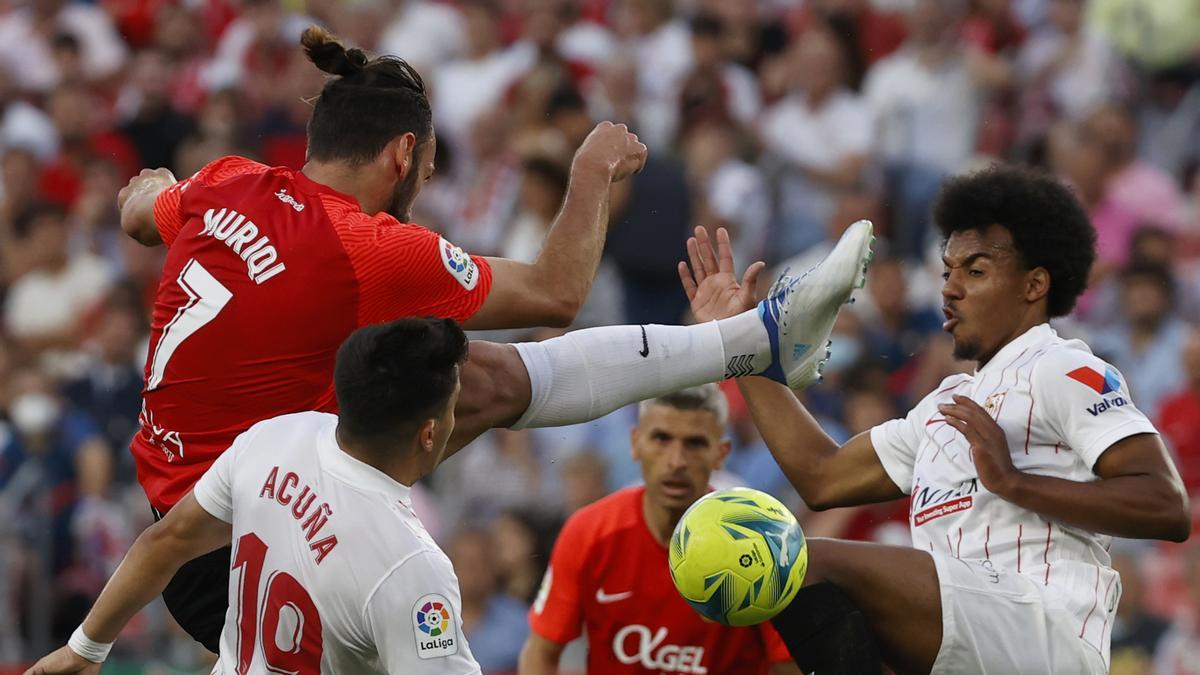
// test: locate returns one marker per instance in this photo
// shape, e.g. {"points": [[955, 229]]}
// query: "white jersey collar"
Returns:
{"points": [[1038, 335], [337, 463]]}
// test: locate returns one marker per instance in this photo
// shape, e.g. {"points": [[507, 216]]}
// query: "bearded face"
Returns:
{"points": [[406, 190]]}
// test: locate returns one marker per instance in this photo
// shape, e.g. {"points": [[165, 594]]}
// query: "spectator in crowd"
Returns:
{"points": [[45, 306], [521, 552], [40, 461], [426, 34], [1148, 344], [896, 333], [1168, 119], [151, 121], [1099, 157], [714, 87], [1066, 69], [27, 35], [1136, 631], [655, 36], [478, 82], [875, 34], [926, 101], [219, 130], [255, 49], [655, 210], [1179, 418], [585, 480], [1179, 651], [821, 132], [109, 389], [493, 622], [727, 190], [22, 124]]}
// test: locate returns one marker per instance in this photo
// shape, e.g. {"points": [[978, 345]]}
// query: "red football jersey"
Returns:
{"points": [[608, 575], [267, 273]]}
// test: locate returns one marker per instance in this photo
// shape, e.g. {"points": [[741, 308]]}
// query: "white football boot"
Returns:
{"points": [[799, 311]]}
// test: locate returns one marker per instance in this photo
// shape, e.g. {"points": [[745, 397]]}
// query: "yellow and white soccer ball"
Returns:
{"points": [[738, 556]]}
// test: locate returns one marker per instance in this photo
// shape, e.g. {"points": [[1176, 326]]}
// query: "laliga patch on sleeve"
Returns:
{"points": [[434, 627], [459, 264]]}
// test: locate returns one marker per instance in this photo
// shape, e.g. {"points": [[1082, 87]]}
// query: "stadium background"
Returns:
{"points": [[783, 120]]}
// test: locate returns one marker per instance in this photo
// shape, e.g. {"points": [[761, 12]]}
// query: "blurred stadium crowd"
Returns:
{"points": [[783, 120]]}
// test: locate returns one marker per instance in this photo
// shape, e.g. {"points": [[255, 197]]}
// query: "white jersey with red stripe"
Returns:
{"points": [[1061, 407], [332, 572]]}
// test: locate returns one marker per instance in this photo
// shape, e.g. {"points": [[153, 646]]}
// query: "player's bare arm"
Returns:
{"points": [[551, 290], [186, 532], [1138, 495], [136, 203], [539, 656], [824, 474]]}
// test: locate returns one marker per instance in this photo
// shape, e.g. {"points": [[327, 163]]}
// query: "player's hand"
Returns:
{"points": [[612, 148], [710, 283], [155, 180], [64, 662], [989, 445]]}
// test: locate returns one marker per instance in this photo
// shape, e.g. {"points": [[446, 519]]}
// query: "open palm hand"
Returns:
{"points": [[710, 283]]}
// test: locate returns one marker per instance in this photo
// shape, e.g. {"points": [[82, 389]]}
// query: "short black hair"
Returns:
{"points": [[1049, 227], [365, 105], [1155, 273], [25, 221], [391, 377], [565, 98], [552, 172], [707, 25]]}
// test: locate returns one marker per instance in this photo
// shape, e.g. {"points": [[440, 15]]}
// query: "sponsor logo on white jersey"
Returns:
{"points": [[605, 598], [434, 627], [636, 644]]}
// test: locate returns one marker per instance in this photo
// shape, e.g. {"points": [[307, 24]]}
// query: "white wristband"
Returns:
{"points": [[88, 648]]}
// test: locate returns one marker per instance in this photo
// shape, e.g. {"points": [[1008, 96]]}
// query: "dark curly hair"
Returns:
{"points": [[1049, 226]]}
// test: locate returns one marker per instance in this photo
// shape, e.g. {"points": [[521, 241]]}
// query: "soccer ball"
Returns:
{"points": [[738, 556]]}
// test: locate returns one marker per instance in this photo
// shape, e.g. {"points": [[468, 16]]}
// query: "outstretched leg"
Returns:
{"points": [[895, 589]]}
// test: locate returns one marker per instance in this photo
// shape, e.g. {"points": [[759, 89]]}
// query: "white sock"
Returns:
{"points": [[587, 374], [747, 347]]}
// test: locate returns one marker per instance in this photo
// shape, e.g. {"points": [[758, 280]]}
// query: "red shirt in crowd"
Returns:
{"points": [[267, 272], [609, 576], [1179, 421]]}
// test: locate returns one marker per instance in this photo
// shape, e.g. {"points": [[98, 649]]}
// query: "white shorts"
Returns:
{"points": [[1003, 623]]}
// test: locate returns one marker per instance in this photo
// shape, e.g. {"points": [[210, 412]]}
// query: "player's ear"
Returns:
{"points": [[1037, 284], [404, 154], [724, 448], [426, 435], [633, 444]]}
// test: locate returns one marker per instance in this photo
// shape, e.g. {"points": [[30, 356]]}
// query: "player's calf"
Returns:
{"points": [[827, 633]]}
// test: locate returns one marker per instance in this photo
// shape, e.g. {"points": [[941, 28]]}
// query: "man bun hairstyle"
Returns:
{"points": [[367, 103], [330, 55], [1049, 227], [391, 377]]}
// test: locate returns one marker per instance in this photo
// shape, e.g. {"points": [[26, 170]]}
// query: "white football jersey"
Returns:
{"points": [[1061, 408], [332, 572]]}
